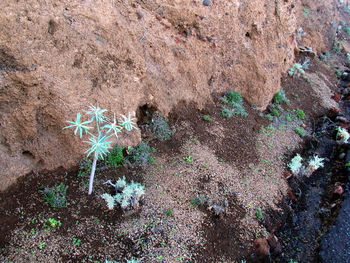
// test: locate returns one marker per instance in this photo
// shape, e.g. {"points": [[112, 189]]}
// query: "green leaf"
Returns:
{"points": [[80, 126]]}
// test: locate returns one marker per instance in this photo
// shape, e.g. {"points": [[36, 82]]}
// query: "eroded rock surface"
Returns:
{"points": [[57, 58]]}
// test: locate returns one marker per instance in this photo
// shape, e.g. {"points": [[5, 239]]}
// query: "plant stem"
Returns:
{"points": [[93, 168]]}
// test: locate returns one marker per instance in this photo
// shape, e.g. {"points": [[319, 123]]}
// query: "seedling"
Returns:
{"points": [[259, 214], [206, 118], [188, 158], [100, 145], [76, 241]]}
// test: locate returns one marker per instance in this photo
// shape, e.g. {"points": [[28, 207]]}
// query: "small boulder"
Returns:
{"points": [[262, 248]]}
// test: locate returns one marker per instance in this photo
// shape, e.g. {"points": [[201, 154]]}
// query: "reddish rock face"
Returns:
{"points": [[56, 59]]}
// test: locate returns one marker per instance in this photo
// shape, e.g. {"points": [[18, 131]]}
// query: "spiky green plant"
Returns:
{"points": [[99, 143]]}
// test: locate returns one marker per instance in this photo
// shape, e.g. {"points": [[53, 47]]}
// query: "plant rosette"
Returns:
{"points": [[99, 140]]}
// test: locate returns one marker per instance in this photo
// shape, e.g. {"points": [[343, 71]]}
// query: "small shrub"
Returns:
{"points": [[169, 212], [127, 195], [295, 164], [235, 101], [280, 96], [233, 97], [206, 118], [116, 157], [55, 196], [141, 154], [160, 127]]}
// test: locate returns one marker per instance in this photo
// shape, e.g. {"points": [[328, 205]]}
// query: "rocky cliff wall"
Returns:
{"points": [[57, 57]]}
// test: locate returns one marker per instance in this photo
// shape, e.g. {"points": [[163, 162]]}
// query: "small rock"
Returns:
{"points": [[166, 23], [342, 119], [341, 156], [158, 17], [261, 247], [275, 245], [217, 209], [206, 2], [336, 97], [139, 14], [338, 189]]}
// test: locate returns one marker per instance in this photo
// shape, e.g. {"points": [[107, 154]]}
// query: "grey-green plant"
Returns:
{"points": [[104, 129], [160, 127], [55, 196], [233, 105], [259, 214], [295, 164], [280, 96], [342, 135], [315, 163], [141, 154], [298, 69], [127, 195]]}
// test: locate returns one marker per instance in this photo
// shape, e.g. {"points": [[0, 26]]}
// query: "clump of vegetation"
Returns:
{"points": [[300, 114], [280, 97], [141, 154], [315, 163], [337, 47], [342, 135], [99, 143], [160, 127], [116, 157], [298, 69], [127, 195], [235, 102], [295, 164], [55, 196]]}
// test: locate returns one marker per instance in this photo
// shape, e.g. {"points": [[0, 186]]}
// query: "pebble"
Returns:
{"points": [[206, 2], [341, 156], [262, 248], [139, 14]]}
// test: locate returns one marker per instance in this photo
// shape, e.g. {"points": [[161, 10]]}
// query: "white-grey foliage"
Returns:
{"points": [[127, 195], [295, 164]]}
